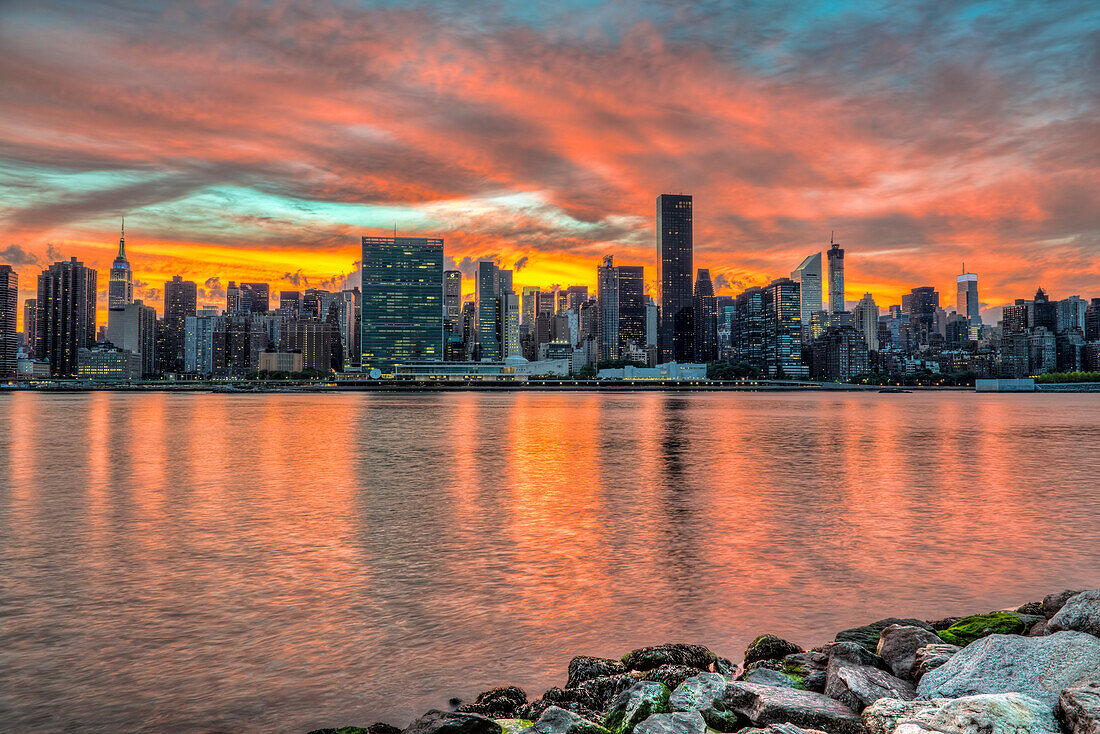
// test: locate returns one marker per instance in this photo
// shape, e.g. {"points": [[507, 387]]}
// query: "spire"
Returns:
{"points": [[122, 241]]}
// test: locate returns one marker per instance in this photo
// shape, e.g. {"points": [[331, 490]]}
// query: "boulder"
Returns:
{"points": [[555, 720], [898, 645], [670, 675], [1052, 603], [599, 692], [1039, 629], [376, 728], [781, 729], [883, 715], [1032, 608], [929, 658], [636, 704], [809, 667], [1079, 708], [942, 624], [498, 703], [1080, 613], [677, 722], [514, 726], [763, 705], [452, 722], [989, 713], [867, 635], [648, 658], [575, 700], [584, 667], [1039, 667], [771, 677], [769, 647], [977, 626], [851, 653], [858, 686], [705, 693]]}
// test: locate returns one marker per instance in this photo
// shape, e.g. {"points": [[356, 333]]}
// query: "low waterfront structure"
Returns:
{"points": [[281, 362], [513, 368], [106, 363], [666, 371]]}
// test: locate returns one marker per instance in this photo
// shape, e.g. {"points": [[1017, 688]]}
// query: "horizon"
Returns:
{"points": [[259, 143]]}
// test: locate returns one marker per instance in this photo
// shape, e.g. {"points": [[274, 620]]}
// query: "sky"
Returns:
{"points": [[260, 140]]}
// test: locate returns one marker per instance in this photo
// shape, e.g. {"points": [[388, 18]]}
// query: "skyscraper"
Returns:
{"points": [[402, 301], [783, 330], [632, 310], [966, 302], [260, 296], [120, 288], [836, 277], [133, 328], [530, 306], [922, 304], [808, 277], [706, 318], [865, 319], [452, 293], [1092, 321], [674, 271], [9, 320], [607, 301], [66, 314], [180, 301], [486, 298], [30, 327]]}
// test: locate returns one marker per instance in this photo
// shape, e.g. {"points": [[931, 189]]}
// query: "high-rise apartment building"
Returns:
{"points": [[1044, 312], [402, 301], [1092, 321], [66, 315], [530, 307], [133, 328], [607, 301], [808, 277], [180, 301], [452, 293], [783, 330], [30, 327], [706, 318], [632, 310], [922, 305], [836, 277], [966, 302], [747, 328], [259, 299], [120, 288], [508, 323], [865, 320], [487, 303], [674, 271], [9, 321]]}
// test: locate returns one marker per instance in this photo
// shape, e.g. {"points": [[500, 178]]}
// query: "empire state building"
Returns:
{"points": [[121, 288]]}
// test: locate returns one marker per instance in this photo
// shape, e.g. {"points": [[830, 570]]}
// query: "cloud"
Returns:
{"points": [[213, 289], [297, 278], [16, 255], [521, 263]]}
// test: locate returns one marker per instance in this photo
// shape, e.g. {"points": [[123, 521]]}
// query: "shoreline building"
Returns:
{"points": [[402, 301], [120, 288], [808, 277], [674, 271], [66, 315], [9, 321], [836, 276]]}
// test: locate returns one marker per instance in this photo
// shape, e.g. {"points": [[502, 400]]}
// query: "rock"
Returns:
{"points": [[575, 700], [1052, 603], [636, 704], [1039, 629], [584, 667], [514, 726], [942, 624], [854, 678], [705, 694], [670, 675], [380, 727], [724, 666], [499, 703], [867, 635], [929, 658], [898, 645], [556, 720], [677, 722], [883, 715], [1032, 608], [1080, 613], [769, 647], [764, 705], [770, 677], [1039, 667], [648, 658], [599, 692], [452, 722], [375, 728], [1079, 708], [989, 713], [977, 626], [810, 667], [781, 729]]}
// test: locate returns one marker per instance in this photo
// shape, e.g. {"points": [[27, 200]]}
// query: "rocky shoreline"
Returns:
{"points": [[1031, 670]]}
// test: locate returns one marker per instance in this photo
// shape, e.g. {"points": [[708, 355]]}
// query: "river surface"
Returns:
{"points": [[180, 563]]}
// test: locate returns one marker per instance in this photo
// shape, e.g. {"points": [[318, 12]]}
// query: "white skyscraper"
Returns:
{"points": [[808, 277], [865, 319]]}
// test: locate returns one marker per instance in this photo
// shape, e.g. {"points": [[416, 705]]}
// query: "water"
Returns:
{"points": [[177, 563]]}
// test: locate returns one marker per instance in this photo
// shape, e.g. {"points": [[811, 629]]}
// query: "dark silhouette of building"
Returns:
{"points": [[839, 354], [9, 321], [259, 300], [1092, 321], [1045, 312], [315, 340], [30, 327], [922, 304], [180, 301], [1014, 318], [66, 315], [747, 328], [783, 329], [403, 301], [706, 318], [674, 271]]}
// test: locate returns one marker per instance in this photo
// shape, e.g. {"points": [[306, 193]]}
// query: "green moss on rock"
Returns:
{"points": [[977, 626], [514, 726]]}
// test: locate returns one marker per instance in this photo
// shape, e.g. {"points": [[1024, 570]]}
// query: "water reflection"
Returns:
{"points": [[280, 563]]}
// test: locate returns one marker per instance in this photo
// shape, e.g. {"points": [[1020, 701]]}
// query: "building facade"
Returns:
{"points": [[674, 271], [9, 322], [120, 288], [836, 277], [865, 321], [706, 318], [808, 277], [180, 301], [133, 328], [66, 315], [783, 330]]}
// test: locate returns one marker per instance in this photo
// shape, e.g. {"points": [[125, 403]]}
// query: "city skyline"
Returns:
{"points": [[779, 139]]}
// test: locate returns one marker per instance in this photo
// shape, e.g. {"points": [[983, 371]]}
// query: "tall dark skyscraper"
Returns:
{"points": [[783, 329], [260, 301], [706, 318], [9, 320], [30, 327], [674, 271], [66, 314], [836, 277], [180, 301], [487, 301], [120, 288], [403, 305], [921, 305], [632, 309]]}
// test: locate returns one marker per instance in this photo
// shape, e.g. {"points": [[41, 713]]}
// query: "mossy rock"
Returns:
{"points": [[635, 705], [977, 626], [514, 726]]}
